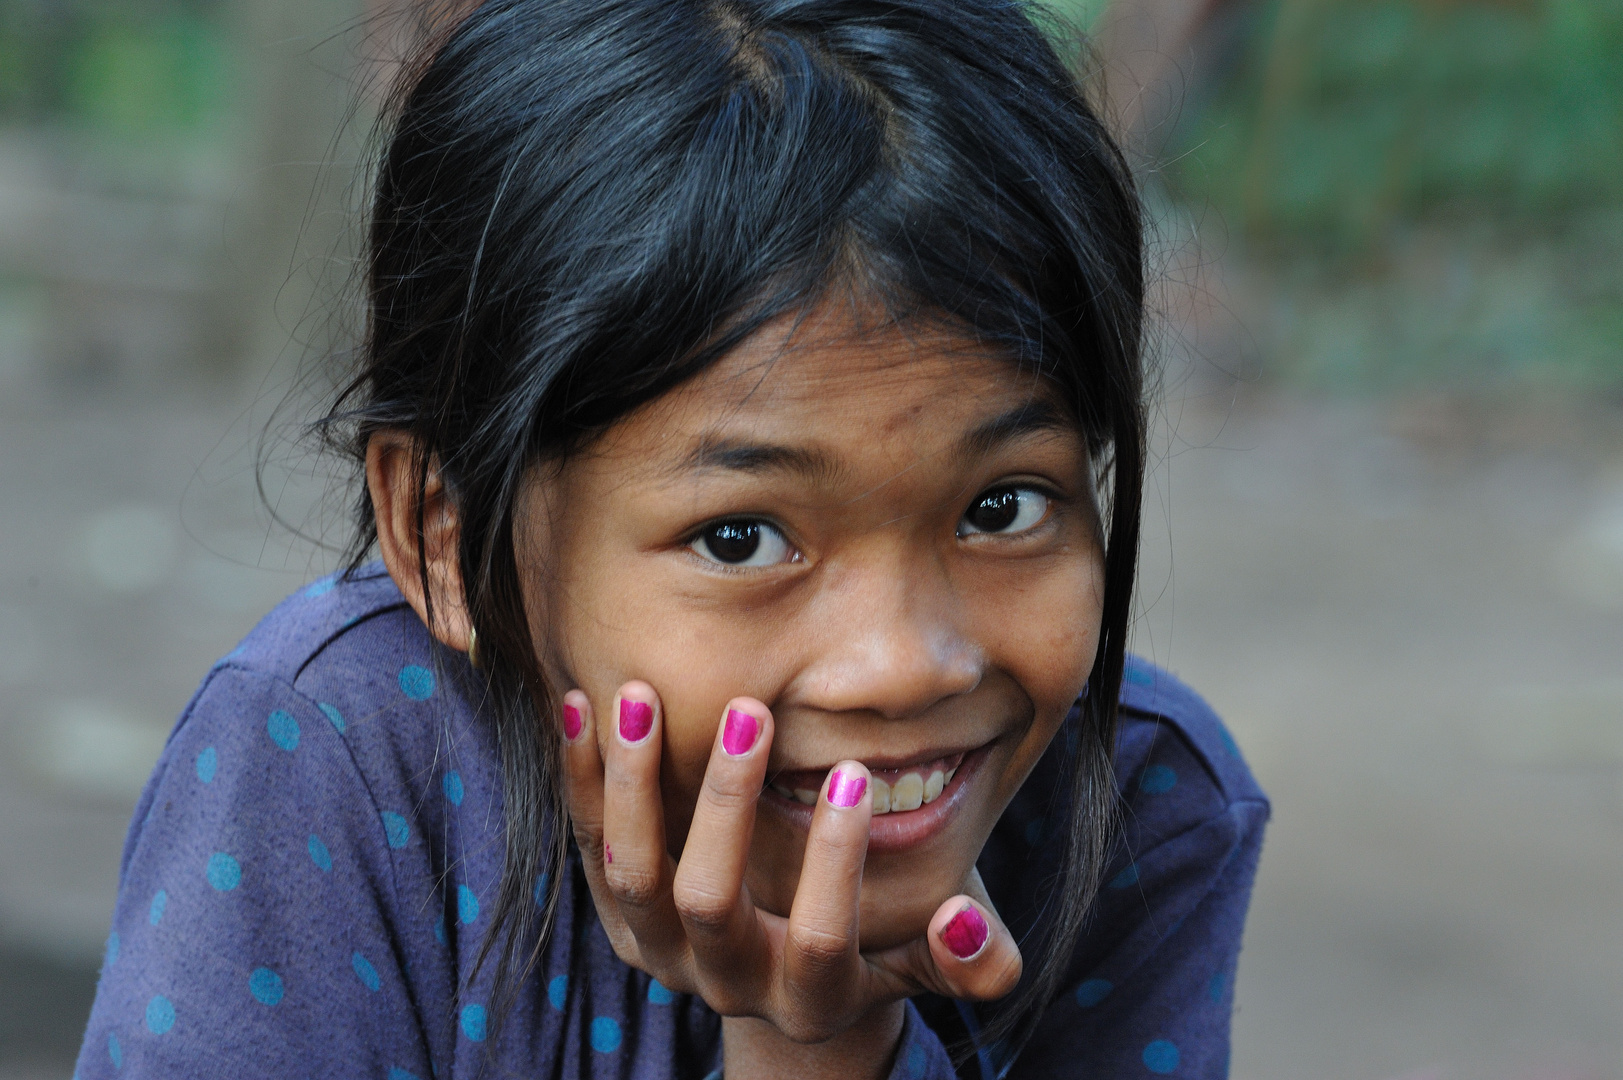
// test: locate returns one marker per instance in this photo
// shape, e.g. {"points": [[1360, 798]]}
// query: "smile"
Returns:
{"points": [[920, 799], [894, 791]]}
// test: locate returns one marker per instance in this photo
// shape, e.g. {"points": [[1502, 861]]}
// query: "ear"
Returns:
{"points": [[391, 479]]}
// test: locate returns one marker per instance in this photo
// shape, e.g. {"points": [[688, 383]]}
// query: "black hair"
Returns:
{"points": [[582, 203]]}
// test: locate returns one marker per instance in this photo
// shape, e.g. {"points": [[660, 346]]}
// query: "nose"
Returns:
{"points": [[891, 641]]}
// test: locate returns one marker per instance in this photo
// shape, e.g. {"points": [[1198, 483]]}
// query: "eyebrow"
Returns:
{"points": [[732, 455], [1031, 418]]}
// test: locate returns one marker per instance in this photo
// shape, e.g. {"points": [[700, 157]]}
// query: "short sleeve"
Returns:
{"points": [[251, 934]]}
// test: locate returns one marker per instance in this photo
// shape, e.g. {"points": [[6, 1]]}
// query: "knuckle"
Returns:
{"points": [[632, 886], [703, 908], [818, 950]]}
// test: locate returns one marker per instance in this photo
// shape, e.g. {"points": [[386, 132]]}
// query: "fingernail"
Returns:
{"points": [[636, 720], [572, 723], [608, 856], [965, 933], [738, 735], [846, 789]]}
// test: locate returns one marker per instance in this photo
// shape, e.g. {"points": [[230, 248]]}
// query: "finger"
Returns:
{"points": [[967, 952], [583, 767], [636, 865], [820, 959], [716, 912]]}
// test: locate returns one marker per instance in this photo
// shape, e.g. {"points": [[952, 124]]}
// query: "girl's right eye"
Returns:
{"points": [[743, 543]]}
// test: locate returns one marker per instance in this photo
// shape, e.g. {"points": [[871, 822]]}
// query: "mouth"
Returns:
{"points": [[912, 802], [898, 790]]}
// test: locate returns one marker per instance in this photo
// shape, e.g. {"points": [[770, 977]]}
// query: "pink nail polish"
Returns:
{"points": [[738, 736], [636, 720], [846, 789], [965, 933], [571, 723], [608, 856]]}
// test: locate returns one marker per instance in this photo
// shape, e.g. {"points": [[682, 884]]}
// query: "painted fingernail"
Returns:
{"points": [[738, 734], [608, 856], [965, 933], [636, 720], [846, 789], [572, 723]]}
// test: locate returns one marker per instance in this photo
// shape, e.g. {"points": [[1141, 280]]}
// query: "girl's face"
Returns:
{"points": [[887, 537]]}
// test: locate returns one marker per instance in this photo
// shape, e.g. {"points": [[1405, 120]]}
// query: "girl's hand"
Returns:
{"points": [[691, 924]]}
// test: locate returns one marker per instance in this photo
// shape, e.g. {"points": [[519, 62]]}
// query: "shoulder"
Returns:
{"points": [[1168, 736]]}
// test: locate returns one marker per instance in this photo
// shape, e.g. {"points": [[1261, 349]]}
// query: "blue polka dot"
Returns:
{"points": [[320, 588], [284, 730], [331, 713], [160, 1015], [1157, 780], [1228, 741], [467, 905], [439, 930], [365, 972], [207, 762], [541, 889], [605, 1034], [1093, 991], [155, 911], [558, 991], [396, 829], [1161, 1057], [115, 1051], [1126, 879], [1034, 832], [1215, 988], [473, 1022], [319, 854], [111, 956], [402, 1074], [266, 986], [416, 682], [915, 1061], [453, 788], [659, 993], [1138, 676], [224, 872]]}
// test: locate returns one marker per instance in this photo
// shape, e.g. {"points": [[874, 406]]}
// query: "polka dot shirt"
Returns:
{"points": [[310, 874]]}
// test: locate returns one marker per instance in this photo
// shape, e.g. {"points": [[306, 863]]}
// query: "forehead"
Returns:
{"points": [[843, 383]]}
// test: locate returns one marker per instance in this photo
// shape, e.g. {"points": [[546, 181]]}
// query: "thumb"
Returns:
{"points": [[966, 953]]}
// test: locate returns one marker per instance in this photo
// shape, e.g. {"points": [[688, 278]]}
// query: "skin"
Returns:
{"points": [[885, 632]]}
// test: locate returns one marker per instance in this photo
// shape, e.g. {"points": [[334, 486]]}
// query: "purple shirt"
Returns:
{"points": [[310, 872]]}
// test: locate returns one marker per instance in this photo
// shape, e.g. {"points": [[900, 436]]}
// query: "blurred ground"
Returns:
{"points": [[1411, 613]]}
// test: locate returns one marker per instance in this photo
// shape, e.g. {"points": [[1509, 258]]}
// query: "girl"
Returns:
{"points": [[751, 428]]}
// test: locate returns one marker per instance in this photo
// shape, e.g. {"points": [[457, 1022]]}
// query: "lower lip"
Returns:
{"points": [[897, 831]]}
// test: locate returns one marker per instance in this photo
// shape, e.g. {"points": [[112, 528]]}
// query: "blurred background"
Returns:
{"points": [[1385, 525]]}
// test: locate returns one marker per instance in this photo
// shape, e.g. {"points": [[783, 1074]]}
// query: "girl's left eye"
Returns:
{"points": [[1004, 511], [743, 543]]}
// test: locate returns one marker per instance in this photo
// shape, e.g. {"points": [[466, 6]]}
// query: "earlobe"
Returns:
{"points": [[419, 534]]}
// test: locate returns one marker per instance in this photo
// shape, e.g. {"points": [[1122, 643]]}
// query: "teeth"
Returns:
{"points": [[907, 793], [910, 791]]}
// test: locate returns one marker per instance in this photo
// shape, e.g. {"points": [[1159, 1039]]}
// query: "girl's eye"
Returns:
{"points": [[743, 543], [1005, 511]]}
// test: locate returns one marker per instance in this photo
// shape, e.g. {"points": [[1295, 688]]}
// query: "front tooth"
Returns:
{"points": [[881, 795], [933, 786], [805, 795], [907, 793]]}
